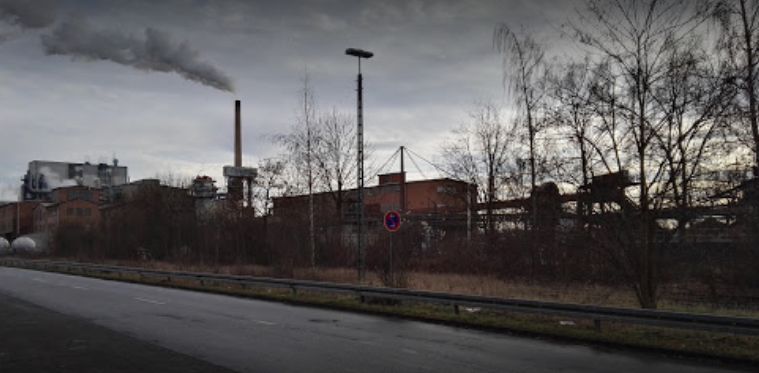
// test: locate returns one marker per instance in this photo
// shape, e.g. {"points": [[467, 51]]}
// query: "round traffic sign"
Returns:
{"points": [[392, 221]]}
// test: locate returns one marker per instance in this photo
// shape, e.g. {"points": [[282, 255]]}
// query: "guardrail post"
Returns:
{"points": [[597, 324], [456, 309], [295, 290]]}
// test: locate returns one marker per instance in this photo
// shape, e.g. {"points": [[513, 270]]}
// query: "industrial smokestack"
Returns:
{"points": [[238, 136]]}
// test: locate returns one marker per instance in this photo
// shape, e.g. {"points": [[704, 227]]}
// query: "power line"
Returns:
{"points": [[390, 160], [439, 168], [417, 167]]}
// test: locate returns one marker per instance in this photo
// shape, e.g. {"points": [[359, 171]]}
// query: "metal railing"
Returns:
{"points": [[680, 320]]}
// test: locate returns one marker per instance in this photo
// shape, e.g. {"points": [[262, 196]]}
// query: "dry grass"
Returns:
{"points": [[462, 284], [490, 286]]}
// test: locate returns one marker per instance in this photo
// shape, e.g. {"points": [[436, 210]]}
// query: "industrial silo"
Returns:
{"points": [[24, 245], [5, 247]]}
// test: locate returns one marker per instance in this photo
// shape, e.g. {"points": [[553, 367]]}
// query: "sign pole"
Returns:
{"points": [[392, 274], [392, 224]]}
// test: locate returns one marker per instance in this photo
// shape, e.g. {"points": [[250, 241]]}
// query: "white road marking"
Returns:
{"points": [[149, 301], [39, 280], [80, 287], [406, 350], [263, 322]]}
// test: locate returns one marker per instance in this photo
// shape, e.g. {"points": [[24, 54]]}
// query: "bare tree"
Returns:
{"points": [[634, 37], [612, 139], [694, 100], [336, 158], [573, 114], [739, 44], [321, 152], [302, 144], [270, 183], [155, 219], [479, 152], [525, 73]]}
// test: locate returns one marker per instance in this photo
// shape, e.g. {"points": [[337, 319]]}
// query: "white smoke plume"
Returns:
{"points": [[77, 38], [54, 180]]}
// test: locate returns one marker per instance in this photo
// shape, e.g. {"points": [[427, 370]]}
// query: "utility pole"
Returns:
{"points": [[309, 155], [360, 161], [403, 183], [469, 213]]}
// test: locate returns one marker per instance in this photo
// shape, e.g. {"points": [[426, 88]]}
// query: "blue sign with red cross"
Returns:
{"points": [[392, 221]]}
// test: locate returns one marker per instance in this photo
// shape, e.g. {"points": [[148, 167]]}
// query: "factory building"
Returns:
{"points": [[16, 219], [44, 176], [69, 206], [393, 193]]}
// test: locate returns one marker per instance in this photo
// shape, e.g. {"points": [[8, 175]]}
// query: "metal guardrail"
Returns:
{"points": [[679, 320]]}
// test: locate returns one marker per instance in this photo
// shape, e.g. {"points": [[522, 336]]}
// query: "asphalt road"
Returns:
{"points": [[34, 339], [256, 336]]}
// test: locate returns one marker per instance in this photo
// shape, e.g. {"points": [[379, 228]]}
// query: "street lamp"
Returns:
{"points": [[359, 54]]}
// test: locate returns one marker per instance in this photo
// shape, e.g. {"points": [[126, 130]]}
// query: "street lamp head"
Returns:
{"points": [[360, 53]]}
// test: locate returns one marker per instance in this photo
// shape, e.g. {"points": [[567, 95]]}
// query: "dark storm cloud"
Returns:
{"points": [[433, 58], [77, 38], [27, 14]]}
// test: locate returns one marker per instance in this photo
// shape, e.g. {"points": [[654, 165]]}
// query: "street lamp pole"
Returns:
{"points": [[359, 54]]}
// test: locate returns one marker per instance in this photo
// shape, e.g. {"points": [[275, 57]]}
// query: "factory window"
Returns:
{"points": [[87, 212], [78, 211], [70, 211], [446, 190]]}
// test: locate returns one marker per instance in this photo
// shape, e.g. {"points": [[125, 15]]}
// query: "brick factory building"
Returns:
{"points": [[16, 219], [75, 208], [393, 193]]}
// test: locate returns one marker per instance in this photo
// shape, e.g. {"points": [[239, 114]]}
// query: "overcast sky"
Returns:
{"points": [[148, 80]]}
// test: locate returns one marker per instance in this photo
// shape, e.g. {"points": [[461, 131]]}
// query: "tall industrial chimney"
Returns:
{"points": [[238, 136]]}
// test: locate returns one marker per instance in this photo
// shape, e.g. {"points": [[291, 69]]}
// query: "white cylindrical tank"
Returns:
{"points": [[23, 245], [5, 246]]}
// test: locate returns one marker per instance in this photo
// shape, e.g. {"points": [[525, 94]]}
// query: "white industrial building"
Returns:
{"points": [[44, 176]]}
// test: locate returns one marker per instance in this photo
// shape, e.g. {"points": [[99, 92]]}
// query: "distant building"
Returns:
{"points": [[16, 219], [205, 194], [44, 176], [75, 206], [438, 196]]}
